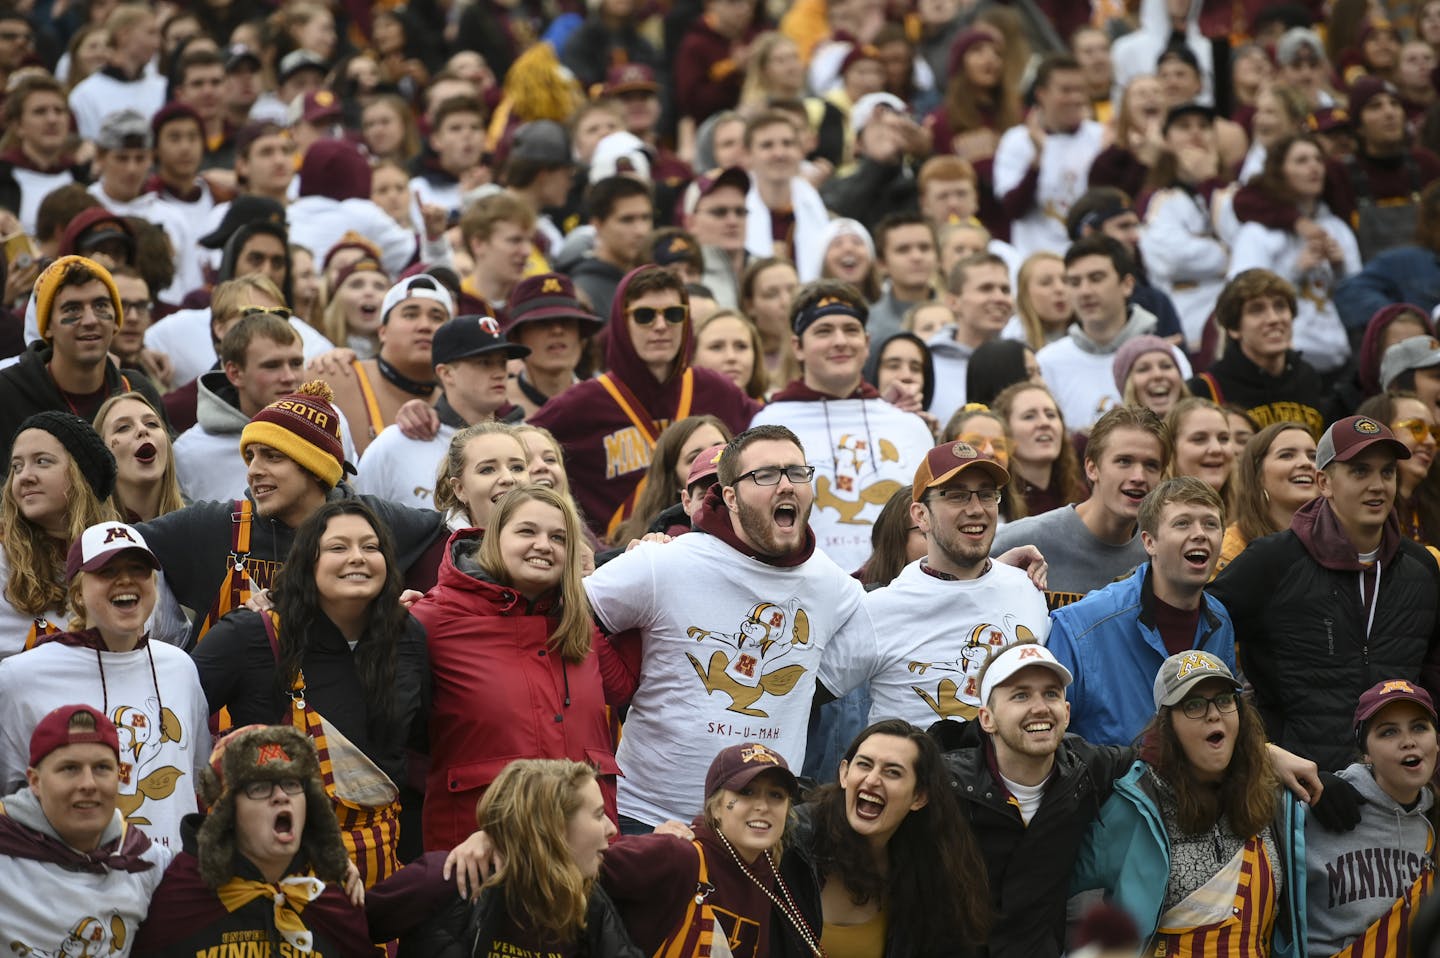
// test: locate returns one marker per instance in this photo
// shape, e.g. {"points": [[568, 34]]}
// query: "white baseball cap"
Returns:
{"points": [[102, 542], [419, 286], [866, 106], [1022, 655]]}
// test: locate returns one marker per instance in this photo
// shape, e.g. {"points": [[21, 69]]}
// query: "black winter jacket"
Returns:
{"points": [[1029, 865], [27, 388], [238, 670], [1300, 631]]}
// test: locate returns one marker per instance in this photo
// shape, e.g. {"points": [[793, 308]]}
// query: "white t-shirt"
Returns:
{"points": [[863, 451], [932, 636], [152, 695], [51, 910], [98, 95], [732, 648], [402, 469]]}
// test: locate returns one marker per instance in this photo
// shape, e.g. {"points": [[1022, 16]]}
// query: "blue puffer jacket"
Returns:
{"points": [[1109, 642], [1127, 853]]}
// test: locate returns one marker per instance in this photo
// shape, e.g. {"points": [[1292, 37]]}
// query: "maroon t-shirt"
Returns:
{"points": [[1176, 626]]}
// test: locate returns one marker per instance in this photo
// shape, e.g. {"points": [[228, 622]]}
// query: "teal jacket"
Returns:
{"points": [[1127, 853]]}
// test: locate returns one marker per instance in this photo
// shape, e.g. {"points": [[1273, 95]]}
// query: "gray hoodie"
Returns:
{"points": [[1353, 878]]}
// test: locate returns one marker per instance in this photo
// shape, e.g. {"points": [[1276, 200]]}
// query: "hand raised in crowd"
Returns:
{"points": [[436, 218], [1028, 560], [1197, 164]]}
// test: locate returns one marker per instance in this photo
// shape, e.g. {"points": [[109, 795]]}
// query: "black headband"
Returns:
{"points": [[824, 306]]}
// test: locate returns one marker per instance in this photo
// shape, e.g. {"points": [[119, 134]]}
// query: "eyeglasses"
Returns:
{"points": [[770, 475], [720, 212], [646, 315], [1197, 707], [140, 307], [280, 311], [103, 309], [1417, 428], [956, 496], [261, 790]]}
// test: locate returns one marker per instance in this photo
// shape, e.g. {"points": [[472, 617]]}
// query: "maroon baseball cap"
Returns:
{"points": [[705, 465], [739, 765], [54, 731], [948, 460], [317, 106], [1381, 694], [707, 183], [547, 296], [630, 78], [1351, 436]]}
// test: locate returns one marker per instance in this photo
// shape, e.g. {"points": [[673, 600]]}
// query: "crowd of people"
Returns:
{"points": [[848, 478]]}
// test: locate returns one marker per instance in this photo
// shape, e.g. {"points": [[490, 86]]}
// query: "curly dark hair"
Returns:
{"points": [[935, 885], [297, 603]]}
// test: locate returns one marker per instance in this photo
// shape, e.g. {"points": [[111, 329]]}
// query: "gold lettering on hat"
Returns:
{"points": [[1195, 661], [1399, 685], [1366, 426], [758, 753], [551, 285]]}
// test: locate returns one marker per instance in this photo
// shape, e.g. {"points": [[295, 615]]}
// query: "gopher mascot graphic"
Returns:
{"points": [[747, 668], [846, 496], [143, 777], [90, 938], [961, 700]]}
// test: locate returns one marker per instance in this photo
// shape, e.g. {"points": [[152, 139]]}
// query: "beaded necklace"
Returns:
{"points": [[788, 908]]}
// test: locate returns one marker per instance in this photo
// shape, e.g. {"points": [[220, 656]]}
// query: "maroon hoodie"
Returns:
{"points": [[606, 451], [1370, 351], [1319, 530]]}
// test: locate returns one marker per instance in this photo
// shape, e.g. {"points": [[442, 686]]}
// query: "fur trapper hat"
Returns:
{"points": [[266, 753]]}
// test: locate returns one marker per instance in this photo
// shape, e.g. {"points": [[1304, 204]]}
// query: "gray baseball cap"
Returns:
{"points": [[543, 142], [125, 130], [1183, 671], [1417, 352]]}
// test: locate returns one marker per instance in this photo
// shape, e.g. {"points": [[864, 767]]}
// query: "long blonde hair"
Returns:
{"points": [[526, 812], [1175, 418], [453, 465], [170, 498], [572, 636], [37, 559], [1030, 320]]}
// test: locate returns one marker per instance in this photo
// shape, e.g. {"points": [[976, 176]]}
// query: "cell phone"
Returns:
{"points": [[20, 251]]}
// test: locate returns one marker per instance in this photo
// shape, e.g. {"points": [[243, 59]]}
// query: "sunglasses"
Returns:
{"points": [[646, 315], [280, 311], [1418, 429]]}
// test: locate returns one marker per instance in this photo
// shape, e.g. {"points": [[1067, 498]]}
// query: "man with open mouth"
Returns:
{"points": [[1092, 543], [267, 862], [1336, 602], [739, 623], [1116, 639]]}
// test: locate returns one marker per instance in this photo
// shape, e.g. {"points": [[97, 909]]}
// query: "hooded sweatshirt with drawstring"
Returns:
{"points": [[1080, 371], [864, 450], [606, 450], [1355, 877], [1315, 626]]}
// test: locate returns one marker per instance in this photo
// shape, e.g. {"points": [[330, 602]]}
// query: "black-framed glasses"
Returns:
{"points": [[281, 311], [646, 315], [140, 307], [1198, 706], [770, 475], [956, 496], [260, 790]]}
